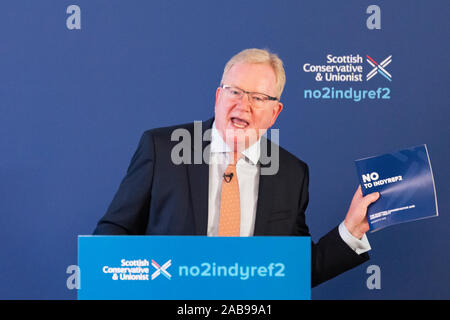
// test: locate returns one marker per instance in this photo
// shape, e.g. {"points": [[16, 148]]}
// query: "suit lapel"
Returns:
{"points": [[267, 183], [198, 175]]}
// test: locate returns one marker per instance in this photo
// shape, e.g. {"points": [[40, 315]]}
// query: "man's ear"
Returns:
{"points": [[276, 112], [218, 92]]}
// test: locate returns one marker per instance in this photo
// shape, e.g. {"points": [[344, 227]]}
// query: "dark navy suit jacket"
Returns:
{"points": [[158, 197]]}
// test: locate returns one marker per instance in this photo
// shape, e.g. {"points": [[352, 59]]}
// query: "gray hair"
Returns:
{"points": [[260, 56]]}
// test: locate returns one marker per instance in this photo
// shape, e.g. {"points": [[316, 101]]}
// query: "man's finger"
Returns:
{"points": [[370, 198], [359, 191], [357, 194]]}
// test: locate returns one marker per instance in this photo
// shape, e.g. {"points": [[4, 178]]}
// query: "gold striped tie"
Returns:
{"points": [[230, 207]]}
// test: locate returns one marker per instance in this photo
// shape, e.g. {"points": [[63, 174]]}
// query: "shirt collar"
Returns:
{"points": [[218, 145]]}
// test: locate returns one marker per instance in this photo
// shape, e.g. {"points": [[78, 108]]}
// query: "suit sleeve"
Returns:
{"points": [[129, 209], [330, 256]]}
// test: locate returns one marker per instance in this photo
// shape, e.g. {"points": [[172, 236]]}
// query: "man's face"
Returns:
{"points": [[238, 120]]}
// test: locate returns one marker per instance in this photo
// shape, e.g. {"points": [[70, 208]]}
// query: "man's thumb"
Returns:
{"points": [[370, 198]]}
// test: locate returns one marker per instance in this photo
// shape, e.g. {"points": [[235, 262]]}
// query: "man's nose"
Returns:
{"points": [[245, 102]]}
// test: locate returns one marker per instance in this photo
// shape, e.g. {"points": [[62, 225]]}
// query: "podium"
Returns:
{"points": [[194, 268]]}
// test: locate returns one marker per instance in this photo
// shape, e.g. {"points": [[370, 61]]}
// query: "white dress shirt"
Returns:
{"points": [[248, 170]]}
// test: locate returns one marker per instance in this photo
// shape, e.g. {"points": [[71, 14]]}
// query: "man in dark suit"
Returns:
{"points": [[219, 186]]}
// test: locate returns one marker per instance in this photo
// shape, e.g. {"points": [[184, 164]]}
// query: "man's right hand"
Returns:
{"points": [[356, 218]]}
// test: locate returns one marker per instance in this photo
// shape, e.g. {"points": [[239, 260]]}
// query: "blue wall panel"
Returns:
{"points": [[73, 104]]}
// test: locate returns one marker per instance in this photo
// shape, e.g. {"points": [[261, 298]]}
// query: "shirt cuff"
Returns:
{"points": [[358, 245]]}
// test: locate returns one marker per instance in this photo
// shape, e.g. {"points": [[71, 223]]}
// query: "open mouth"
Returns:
{"points": [[239, 123]]}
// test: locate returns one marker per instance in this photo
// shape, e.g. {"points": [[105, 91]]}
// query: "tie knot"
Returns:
{"points": [[234, 158]]}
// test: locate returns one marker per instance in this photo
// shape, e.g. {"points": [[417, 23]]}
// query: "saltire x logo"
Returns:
{"points": [[379, 68], [161, 269]]}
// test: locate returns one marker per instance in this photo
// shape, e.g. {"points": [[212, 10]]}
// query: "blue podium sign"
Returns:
{"points": [[194, 268]]}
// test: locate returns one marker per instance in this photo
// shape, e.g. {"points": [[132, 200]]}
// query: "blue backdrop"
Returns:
{"points": [[74, 103]]}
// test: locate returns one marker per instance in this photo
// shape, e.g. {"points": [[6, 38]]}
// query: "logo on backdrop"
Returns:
{"points": [[140, 270], [161, 269], [347, 78], [130, 270], [379, 68]]}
